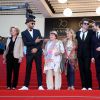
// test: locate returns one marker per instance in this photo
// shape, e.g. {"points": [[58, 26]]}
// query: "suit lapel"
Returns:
{"points": [[87, 35], [28, 34], [79, 35], [34, 34]]}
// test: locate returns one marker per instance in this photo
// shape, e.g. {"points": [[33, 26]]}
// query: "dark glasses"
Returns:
{"points": [[86, 23], [32, 23]]}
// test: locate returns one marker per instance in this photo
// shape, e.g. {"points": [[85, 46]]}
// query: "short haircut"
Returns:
{"points": [[17, 30], [55, 33], [84, 19], [97, 24]]}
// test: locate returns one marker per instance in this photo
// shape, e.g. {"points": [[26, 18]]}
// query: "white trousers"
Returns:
{"points": [[53, 83]]}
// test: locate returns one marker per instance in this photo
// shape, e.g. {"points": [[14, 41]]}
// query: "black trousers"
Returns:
{"points": [[38, 62], [97, 66], [12, 70], [85, 72]]}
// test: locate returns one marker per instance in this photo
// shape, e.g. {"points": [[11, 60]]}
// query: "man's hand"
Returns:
{"points": [[98, 49], [46, 40], [92, 60], [34, 50], [20, 60], [37, 40]]}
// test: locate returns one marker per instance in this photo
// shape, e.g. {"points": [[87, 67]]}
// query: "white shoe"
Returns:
{"points": [[89, 88], [69, 88], [83, 89], [72, 88], [40, 88], [23, 88]]}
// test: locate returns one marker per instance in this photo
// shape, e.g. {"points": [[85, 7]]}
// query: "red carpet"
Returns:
{"points": [[49, 95], [44, 95], [33, 82]]}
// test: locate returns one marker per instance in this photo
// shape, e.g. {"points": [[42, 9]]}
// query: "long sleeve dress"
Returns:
{"points": [[53, 61]]}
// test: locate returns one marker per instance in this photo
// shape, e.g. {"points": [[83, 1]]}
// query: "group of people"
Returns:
{"points": [[76, 50]]}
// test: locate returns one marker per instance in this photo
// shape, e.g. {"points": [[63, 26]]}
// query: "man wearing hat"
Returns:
{"points": [[33, 41]]}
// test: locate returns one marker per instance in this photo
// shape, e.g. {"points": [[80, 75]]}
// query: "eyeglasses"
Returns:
{"points": [[32, 23], [86, 23]]}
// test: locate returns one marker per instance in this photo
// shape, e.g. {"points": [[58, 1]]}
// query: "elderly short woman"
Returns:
{"points": [[53, 55], [13, 56]]}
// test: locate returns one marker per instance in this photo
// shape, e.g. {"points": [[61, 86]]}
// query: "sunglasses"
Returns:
{"points": [[33, 23], [86, 23]]}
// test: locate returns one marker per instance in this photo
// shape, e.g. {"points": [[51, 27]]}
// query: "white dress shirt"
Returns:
{"points": [[81, 34], [98, 34], [31, 33]]}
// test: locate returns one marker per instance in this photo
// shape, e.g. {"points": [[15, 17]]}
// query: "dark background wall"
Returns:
{"points": [[60, 24]]}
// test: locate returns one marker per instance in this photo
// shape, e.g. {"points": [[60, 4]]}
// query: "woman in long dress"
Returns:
{"points": [[53, 55]]}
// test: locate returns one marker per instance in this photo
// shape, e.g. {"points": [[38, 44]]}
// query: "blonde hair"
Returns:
{"points": [[73, 33], [17, 29]]}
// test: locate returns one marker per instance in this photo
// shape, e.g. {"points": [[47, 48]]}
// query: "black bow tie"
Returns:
{"points": [[30, 30]]}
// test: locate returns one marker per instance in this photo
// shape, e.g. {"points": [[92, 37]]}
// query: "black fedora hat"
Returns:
{"points": [[29, 20]]}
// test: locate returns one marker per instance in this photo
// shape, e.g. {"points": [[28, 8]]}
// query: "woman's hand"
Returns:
{"points": [[76, 65], [4, 61]]}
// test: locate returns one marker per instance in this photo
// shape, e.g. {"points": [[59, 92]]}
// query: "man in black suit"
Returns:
{"points": [[84, 36], [33, 41], [96, 49]]}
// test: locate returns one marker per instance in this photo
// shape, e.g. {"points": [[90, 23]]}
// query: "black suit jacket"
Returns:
{"points": [[29, 41], [95, 44], [84, 47]]}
